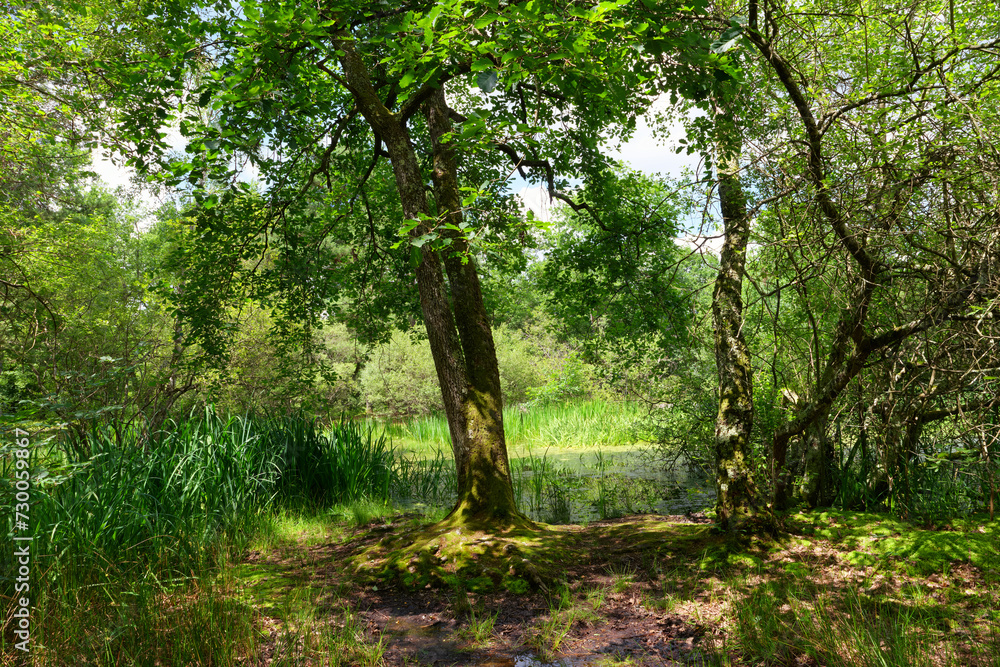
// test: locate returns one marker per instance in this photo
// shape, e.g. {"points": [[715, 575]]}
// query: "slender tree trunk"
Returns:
{"points": [[736, 501], [475, 405], [988, 459], [455, 316], [816, 487]]}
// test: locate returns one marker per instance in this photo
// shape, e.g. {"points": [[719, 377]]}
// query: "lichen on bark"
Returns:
{"points": [[737, 502]]}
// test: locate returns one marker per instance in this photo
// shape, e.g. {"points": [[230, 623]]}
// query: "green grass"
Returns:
{"points": [[565, 611], [328, 642], [780, 624], [567, 461], [130, 536], [479, 628], [142, 556], [844, 589], [874, 538], [588, 425], [426, 483]]}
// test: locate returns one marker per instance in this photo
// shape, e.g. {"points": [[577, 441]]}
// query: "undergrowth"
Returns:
{"points": [[130, 534]]}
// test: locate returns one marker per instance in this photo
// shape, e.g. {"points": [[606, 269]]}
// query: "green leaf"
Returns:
{"points": [[727, 39], [485, 21], [487, 81], [722, 75], [482, 64]]}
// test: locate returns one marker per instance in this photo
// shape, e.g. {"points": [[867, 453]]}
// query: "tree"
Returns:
{"points": [[718, 134], [76, 313], [737, 494], [881, 172], [615, 277], [315, 97]]}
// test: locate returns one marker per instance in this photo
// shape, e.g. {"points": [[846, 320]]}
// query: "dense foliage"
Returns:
{"points": [[339, 173], [336, 258]]}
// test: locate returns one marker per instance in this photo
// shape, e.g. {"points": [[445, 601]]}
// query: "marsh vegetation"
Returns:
{"points": [[235, 541]]}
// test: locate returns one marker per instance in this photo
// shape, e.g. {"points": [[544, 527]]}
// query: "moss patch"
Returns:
{"points": [[871, 538], [473, 560], [838, 584]]}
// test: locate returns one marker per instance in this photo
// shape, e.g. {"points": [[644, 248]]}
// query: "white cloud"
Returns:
{"points": [[115, 175], [536, 199], [653, 152]]}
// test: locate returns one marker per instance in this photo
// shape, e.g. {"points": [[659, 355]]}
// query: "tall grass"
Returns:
{"points": [[124, 535], [927, 488], [346, 463], [580, 424], [573, 425], [546, 489], [431, 482], [773, 627]]}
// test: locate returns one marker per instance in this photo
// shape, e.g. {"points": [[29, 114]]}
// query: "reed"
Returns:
{"points": [[572, 425], [129, 532]]}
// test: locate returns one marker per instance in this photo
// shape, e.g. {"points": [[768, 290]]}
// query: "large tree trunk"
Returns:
{"points": [[736, 501], [457, 325]]}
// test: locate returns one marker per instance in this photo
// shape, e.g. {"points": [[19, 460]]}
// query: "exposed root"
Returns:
{"points": [[473, 555]]}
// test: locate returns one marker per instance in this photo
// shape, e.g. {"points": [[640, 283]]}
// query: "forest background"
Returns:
{"points": [[873, 341]]}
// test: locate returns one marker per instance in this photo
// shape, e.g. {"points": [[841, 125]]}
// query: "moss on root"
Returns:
{"points": [[520, 559], [466, 556]]}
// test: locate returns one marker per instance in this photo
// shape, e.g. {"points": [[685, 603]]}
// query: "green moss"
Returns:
{"points": [[797, 570], [745, 560], [875, 538], [516, 585], [469, 559], [861, 558], [276, 590]]}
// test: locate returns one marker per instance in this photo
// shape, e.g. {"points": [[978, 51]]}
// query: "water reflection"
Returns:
{"points": [[521, 661], [564, 486], [528, 661], [570, 487]]}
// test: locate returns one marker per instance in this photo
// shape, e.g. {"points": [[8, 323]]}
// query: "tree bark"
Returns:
{"points": [[816, 487], [737, 495], [455, 316], [475, 406]]}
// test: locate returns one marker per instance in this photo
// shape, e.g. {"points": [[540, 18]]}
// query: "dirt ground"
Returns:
{"points": [[647, 590]]}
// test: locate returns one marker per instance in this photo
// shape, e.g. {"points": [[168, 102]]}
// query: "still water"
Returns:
{"points": [[570, 486], [563, 486]]}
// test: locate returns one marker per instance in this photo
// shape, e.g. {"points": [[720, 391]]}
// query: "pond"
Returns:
{"points": [[571, 485]]}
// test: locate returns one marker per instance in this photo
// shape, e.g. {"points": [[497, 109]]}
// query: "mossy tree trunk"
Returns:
{"points": [[817, 485], [472, 393], [737, 495], [454, 314]]}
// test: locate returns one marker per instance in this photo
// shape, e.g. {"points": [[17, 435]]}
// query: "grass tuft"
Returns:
{"points": [[130, 533]]}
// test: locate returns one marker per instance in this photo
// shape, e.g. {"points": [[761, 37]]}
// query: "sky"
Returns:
{"points": [[645, 152], [651, 154]]}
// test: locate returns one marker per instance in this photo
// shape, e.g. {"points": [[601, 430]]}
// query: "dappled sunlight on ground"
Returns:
{"points": [[647, 591]]}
